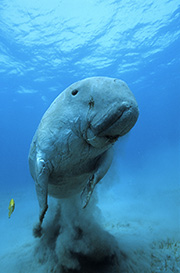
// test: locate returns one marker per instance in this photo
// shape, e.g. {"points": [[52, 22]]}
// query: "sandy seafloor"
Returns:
{"points": [[123, 229]]}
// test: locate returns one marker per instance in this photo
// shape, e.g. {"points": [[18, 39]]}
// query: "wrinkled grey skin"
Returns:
{"points": [[72, 148]]}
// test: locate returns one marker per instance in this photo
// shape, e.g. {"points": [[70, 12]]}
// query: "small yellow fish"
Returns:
{"points": [[11, 207]]}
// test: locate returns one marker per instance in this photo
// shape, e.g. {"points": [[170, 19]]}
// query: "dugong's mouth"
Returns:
{"points": [[115, 122]]}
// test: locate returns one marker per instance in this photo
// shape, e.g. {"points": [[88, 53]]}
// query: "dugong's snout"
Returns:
{"points": [[117, 121], [125, 122]]}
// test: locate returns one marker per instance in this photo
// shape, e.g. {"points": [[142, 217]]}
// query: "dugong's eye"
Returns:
{"points": [[74, 92]]}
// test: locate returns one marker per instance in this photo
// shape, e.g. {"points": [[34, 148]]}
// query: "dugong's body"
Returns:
{"points": [[72, 148]]}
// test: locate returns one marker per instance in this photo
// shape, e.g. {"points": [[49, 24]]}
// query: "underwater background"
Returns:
{"points": [[44, 47]]}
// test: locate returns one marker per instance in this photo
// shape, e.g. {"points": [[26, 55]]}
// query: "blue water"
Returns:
{"points": [[47, 45]]}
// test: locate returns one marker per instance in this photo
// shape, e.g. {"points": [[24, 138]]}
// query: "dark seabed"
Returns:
{"points": [[132, 223]]}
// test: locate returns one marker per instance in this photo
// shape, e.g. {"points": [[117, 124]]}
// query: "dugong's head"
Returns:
{"points": [[105, 108]]}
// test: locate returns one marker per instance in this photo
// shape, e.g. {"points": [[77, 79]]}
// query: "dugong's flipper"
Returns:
{"points": [[88, 190], [41, 183], [102, 167]]}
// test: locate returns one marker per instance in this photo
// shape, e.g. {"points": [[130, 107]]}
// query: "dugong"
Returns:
{"points": [[71, 150]]}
